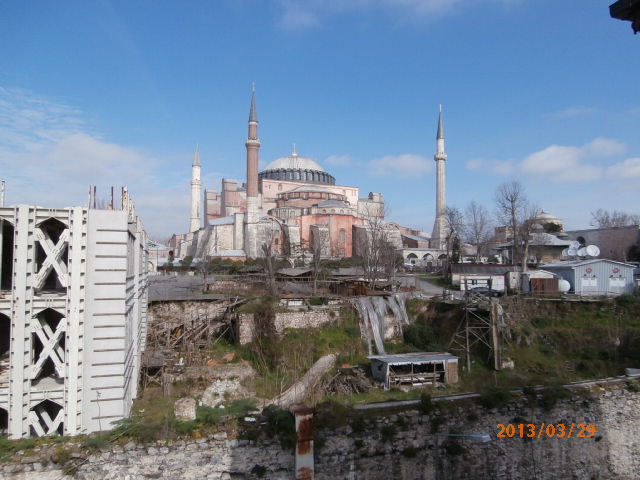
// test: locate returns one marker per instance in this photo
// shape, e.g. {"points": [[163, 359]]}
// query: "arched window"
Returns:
{"points": [[342, 236]]}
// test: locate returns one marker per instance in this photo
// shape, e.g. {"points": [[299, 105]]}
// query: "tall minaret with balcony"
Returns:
{"points": [[196, 188], [252, 214], [440, 228]]}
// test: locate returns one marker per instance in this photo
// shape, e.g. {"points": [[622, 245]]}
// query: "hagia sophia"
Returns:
{"points": [[291, 205]]}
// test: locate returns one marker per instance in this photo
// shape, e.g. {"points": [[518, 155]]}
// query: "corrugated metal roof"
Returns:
{"points": [[294, 272], [577, 263], [419, 357], [351, 271], [483, 268]]}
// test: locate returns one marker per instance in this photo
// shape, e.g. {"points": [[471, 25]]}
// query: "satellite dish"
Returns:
{"points": [[564, 286], [574, 244], [573, 251], [582, 252], [592, 250], [565, 252]]}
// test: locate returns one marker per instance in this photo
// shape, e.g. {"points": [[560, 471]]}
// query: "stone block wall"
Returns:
{"points": [[402, 446], [245, 326]]}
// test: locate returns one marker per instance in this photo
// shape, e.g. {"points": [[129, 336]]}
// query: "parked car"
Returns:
{"points": [[486, 291]]}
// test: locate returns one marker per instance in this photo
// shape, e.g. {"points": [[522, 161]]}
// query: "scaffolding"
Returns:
{"points": [[177, 342], [483, 323]]}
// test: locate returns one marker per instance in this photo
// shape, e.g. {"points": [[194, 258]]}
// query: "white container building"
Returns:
{"points": [[595, 276], [73, 306]]}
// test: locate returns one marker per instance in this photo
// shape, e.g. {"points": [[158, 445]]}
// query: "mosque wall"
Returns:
{"points": [[271, 188]]}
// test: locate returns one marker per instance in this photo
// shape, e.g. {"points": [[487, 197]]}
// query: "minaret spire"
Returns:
{"points": [[196, 186], [440, 229], [196, 157], [252, 215], [253, 115], [440, 134]]}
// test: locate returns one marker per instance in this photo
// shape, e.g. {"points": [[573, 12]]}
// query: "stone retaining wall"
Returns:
{"points": [[399, 446], [245, 328]]}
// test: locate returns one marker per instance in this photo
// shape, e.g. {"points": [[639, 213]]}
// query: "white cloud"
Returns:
{"points": [[339, 160], [574, 111], [49, 157], [630, 168], [568, 163], [604, 147], [552, 159], [499, 167], [406, 165], [583, 173], [563, 163], [299, 14]]}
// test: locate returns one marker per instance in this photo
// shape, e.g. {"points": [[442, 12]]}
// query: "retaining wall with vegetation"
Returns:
{"points": [[401, 445], [246, 329]]}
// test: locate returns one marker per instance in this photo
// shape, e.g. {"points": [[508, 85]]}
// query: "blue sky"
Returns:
{"points": [[120, 92]]}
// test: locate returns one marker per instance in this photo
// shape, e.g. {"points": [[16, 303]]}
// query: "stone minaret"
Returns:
{"points": [[440, 229], [196, 186], [252, 216]]}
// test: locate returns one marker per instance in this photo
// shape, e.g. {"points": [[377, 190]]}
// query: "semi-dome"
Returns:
{"points": [[295, 168]]}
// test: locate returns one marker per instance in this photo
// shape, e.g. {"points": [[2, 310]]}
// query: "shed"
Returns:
{"points": [[595, 276], [539, 282], [414, 369], [471, 275], [297, 274]]}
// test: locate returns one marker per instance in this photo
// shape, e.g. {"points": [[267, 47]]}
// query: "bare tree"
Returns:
{"points": [[526, 231], [372, 241], [391, 259], [477, 227], [511, 203], [455, 228], [269, 256], [616, 218], [319, 247]]}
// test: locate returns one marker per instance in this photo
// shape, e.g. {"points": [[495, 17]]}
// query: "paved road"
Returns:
{"points": [[425, 286]]}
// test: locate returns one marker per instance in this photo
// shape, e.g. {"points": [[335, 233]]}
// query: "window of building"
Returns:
{"points": [[279, 187], [341, 252], [341, 236]]}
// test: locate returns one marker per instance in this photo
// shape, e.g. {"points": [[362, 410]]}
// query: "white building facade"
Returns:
{"points": [[73, 306]]}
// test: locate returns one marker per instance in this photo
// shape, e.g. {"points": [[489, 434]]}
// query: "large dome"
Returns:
{"points": [[294, 162], [297, 169]]}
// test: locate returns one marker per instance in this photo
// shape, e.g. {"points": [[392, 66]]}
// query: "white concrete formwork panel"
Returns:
{"points": [[113, 236], [107, 276], [113, 249], [111, 263], [111, 290], [98, 369], [110, 338], [109, 331]]}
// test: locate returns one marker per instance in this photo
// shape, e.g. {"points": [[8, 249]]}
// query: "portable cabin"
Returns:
{"points": [[414, 369], [595, 276]]}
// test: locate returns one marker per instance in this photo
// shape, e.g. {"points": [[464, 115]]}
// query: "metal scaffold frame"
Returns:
{"points": [[483, 322]]}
